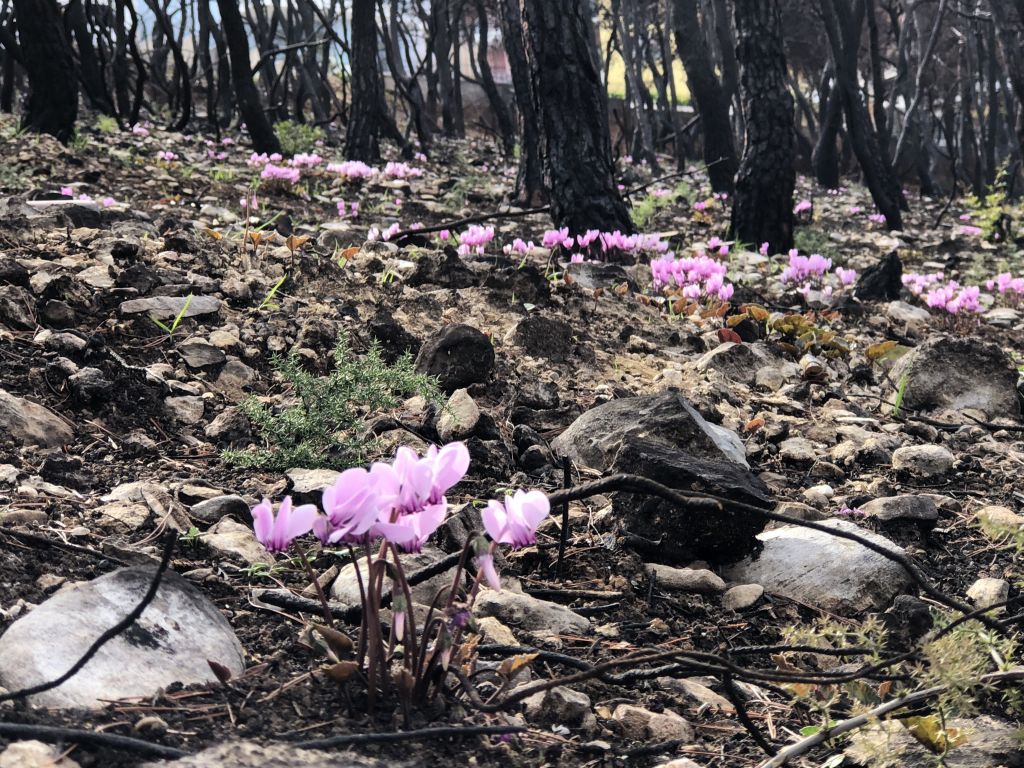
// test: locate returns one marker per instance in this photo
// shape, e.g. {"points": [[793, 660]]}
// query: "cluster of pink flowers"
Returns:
{"points": [[719, 246], [386, 234], [954, 298], [140, 130], [106, 202], [343, 209], [877, 218], [804, 268], [166, 155], [699, 276], [916, 282], [249, 203], [802, 206], [401, 171], [518, 246], [970, 230], [475, 239], [402, 502], [305, 160], [257, 161], [273, 172], [1009, 287], [555, 237], [352, 169]]}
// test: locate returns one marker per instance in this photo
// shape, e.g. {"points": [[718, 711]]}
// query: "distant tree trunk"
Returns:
{"points": [[877, 80], [1009, 24], [52, 105], [529, 189], [506, 126], [369, 118], [441, 28], [843, 25], [90, 72], [567, 90], [825, 156], [762, 208], [260, 130], [711, 99]]}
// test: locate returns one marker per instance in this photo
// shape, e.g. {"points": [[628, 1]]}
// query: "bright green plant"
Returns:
{"points": [[297, 137], [169, 330], [325, 423], [106, 124]]}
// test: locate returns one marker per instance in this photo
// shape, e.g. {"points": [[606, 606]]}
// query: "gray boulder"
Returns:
{"points": [[662, 437], [171, 642], [955, 373]]}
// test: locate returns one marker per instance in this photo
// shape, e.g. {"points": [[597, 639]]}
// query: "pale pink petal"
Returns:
{"points": [[263, 520], [301, 521], [495, 519], [485, 564], [451, 465]]}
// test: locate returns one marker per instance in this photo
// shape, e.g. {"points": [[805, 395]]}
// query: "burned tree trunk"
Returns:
{"points": [[502, 116], [260, 130], [762, 208], [843, 25], [368, 118], [711, 99], [52, 105], [567, 91], [530, 175]]}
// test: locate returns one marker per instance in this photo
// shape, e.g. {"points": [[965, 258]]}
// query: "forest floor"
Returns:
{"points": [[175, 227]]}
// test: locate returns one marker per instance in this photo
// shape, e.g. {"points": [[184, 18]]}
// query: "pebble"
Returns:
{"points": [[697, 580], [924, 461], [742, 596]]}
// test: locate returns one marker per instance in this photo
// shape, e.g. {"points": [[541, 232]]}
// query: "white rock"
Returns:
{"points": [[834, 574], [903, 507], [459, 417], [171, 642], [530, 614], [27, 423], [923, 460], [742, 596], [641, 724], [229, 537], [34, 754], [986, 592], [686, 579]]}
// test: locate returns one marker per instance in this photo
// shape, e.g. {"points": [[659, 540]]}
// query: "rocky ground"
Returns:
{"points": [[863, 410]]}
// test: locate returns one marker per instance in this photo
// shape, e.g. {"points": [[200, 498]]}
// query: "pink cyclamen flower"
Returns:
{"points": [[412, 492], [846, 276], [443, 235], [969, 230], [485, 564], [965, 217], [515, 521], [67, 191], [763, 250], [276, 533], [803, 205], [878, 218], [106, 202], [351, 507]]}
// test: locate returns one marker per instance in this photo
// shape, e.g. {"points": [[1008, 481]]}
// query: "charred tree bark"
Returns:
{"points": [[90, 72], [1009, 23], [843, 25], [566, 85], [52, 105], [369, 118], [762, 208], [260, 130], [825, 157], [711, 99], [529, 189], [506, 126]]}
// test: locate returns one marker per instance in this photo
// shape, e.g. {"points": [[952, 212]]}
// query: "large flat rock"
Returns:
{"points": [[823, 571], [171, 642]]}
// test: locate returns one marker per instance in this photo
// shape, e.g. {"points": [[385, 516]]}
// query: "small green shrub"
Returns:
{"points": [[326, 425], [297, 137], [814, 240], [106, 124]]}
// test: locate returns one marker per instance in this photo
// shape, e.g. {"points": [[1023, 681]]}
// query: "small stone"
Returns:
{"points": [[200, 354], [696, 692], [459, 418], [907, 314], [800, 511], [50, 581], [642, 724], [27, 423], [986, 592], [923, 460], [998, 522], [686, 579], [231, 538], [905, 507], [459, 355], [560, 704], [169, 307], [212, 510], [234, 377], [530, 614], [798, 450], [151, 724], [741, 596], [494, 631], [229, 426], [91, 386], [187, 410], [24, 517], [679, 762], [307, 485], [547, 337]]}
